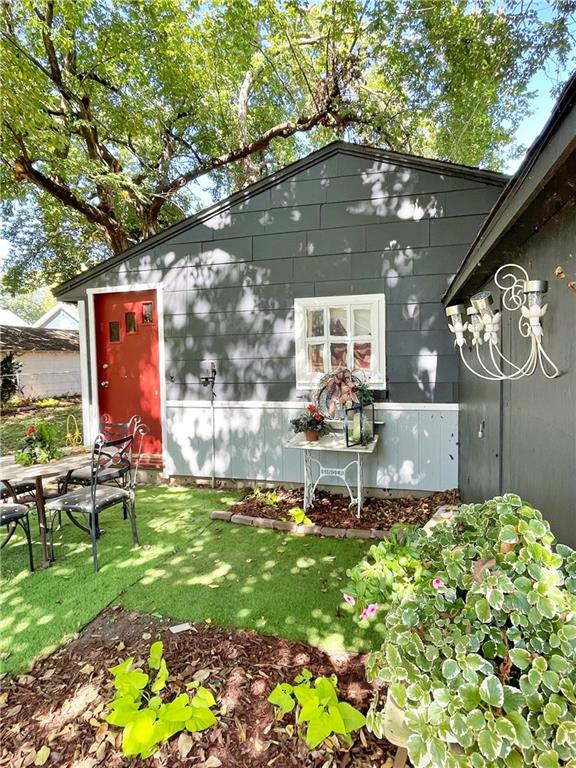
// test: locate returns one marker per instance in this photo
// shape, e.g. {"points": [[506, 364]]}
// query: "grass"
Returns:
{"points": [[14, 425], [189, 568]]}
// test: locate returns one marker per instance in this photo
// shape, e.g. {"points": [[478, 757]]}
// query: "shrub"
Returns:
{"points": [[9, 370], [482, 655], [390, 570], [299, 516], [40, 444], [138, 707], [318, 708]]}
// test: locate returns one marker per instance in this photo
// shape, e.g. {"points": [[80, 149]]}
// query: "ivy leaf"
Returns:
{"points": [[491, 691]]}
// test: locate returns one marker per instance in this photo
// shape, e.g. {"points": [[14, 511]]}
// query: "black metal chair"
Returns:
{"points": [[91, 500], [14, 490], [14, 516], [116, 472]]}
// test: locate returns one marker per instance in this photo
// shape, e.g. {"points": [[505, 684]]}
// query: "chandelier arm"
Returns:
{"points": [[519, 371], [487, 378], [542, 354], [499, 373], [526, 370]]}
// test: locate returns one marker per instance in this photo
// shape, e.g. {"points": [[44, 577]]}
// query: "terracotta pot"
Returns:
{"points": [[311, 436]]}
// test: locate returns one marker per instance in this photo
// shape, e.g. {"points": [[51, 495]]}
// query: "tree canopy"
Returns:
{"points": [[113, 110]]}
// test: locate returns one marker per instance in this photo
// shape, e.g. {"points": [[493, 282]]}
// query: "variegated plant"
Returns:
{"points": [[482, 656]]}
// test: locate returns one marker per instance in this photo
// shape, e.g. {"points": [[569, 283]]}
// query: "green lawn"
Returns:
{"points": [[189, 568], [14, 425]]}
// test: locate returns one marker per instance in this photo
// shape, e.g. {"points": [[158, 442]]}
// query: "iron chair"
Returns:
{"points": [[15, 515], [118, 472], [91, 500]]}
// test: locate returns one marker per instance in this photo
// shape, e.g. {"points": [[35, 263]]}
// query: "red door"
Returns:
{"points": [[127, 363]]}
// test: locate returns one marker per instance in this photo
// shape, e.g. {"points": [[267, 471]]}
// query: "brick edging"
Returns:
{"points": [[299, 530]]}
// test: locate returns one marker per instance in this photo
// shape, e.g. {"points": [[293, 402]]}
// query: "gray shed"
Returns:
{"points": [[371, 236], [520, 435]]}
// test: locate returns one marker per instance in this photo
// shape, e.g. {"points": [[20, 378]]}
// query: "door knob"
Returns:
{"points": [[104, 383]]}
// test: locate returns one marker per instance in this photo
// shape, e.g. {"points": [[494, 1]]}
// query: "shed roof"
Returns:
{"points": [[320, 155], [539, 188], [19, 340]]}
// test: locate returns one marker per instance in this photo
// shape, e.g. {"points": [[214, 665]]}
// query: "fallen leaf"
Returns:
{"points": [[185, 743], [87, 669], [363, 738], [42, 755], [201, 675], [559, 273], [3, 698], [211, 762], [146, 636], [121, 645], [572, 285], [101, 751], [208, 621]]}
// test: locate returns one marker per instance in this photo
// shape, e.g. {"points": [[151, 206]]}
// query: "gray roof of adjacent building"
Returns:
{"points": [[19, 340]]}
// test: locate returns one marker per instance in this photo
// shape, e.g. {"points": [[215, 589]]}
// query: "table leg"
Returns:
{"points": [[307, 481], [42, 522], [359, 484]]}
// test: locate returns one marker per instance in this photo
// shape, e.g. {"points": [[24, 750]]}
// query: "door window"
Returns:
{"points": [[130, 318], [147, 312], [114, 330]]}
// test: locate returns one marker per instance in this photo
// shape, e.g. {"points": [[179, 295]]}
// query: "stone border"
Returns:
{"points": [[300, 530]]}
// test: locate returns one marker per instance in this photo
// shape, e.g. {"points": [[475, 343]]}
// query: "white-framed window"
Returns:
{"points": [[340, 330]]}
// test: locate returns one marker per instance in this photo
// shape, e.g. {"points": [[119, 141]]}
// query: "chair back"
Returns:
{"points": [[116, 429], [111, 454]]}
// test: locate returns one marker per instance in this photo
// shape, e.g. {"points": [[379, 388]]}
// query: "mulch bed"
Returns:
{"points": [[332, 510], [61, 703]]}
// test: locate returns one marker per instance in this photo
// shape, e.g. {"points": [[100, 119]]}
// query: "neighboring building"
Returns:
{"points": [[521, 436], [62, 316], [50, 360], [7, 317], [373, 237]]}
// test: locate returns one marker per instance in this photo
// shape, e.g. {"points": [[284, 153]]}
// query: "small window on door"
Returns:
{"points": [[114, 330], [147, 312], [130, 318]]}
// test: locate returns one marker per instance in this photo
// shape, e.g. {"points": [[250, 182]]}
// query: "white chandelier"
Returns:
{"points": [[483, 325]]}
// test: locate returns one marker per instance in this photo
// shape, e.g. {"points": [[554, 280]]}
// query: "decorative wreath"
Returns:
{"points": [[336, 391]]}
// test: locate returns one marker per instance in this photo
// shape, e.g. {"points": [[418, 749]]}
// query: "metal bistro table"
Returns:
{"points": [[332, 444], [10, 472]]}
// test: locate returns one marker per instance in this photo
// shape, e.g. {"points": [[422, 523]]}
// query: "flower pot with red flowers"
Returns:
{"points": [[311, 422]]}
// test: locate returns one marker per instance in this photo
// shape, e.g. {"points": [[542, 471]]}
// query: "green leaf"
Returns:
{"points": [[450, 669], [310, 710], [353, 719], [520, 657], [491, 691], [548, 759], [282, 698], [203, 698], [566, 734], [139, 737], [514, 760], [552, 713], [469, 695], [155, 656], [326, 691], [161, 678], [505, 728], [201, 719], [483, 612], [318, 729], [523, 733], [337, 723], [124, 710], [489, 743]]}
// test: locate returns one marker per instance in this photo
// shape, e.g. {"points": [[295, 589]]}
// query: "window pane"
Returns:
{"points": [[338, 355], [362, 322], [362, 354], [316, 358], [338, 321], [114, 329], [147, 313], [130, 322], [315, 322]]}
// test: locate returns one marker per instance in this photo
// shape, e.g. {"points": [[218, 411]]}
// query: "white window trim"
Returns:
{"points": [[377, 377]]}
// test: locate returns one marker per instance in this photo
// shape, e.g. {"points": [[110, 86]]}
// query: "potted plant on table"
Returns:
{"points": [[311, 422], [480, 658]]}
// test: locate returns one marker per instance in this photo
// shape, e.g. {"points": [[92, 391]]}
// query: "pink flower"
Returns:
{"points": [[437, 583], [369, 611], [349, 599], [30, 431]]}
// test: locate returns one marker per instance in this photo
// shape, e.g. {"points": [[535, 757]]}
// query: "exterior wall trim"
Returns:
{"points": [[291, 404], [85, 374], [159, 288]]}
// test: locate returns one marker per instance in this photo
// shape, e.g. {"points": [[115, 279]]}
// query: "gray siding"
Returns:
{"points": [[346, 225], [537, 438]]}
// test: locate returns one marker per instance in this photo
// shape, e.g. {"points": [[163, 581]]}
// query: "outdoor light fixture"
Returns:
{"points": [[482, 322]]}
